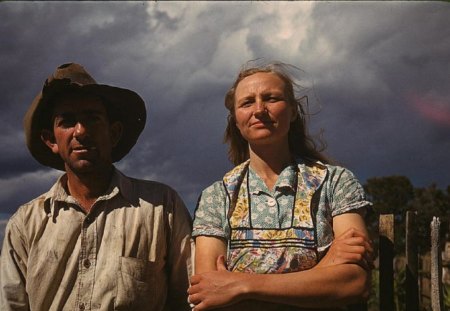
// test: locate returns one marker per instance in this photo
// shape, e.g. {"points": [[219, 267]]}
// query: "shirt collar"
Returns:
{"points": [[286, 179], [119, 184]]}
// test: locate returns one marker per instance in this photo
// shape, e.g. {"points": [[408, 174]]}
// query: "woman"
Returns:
{"points": [[290, 223]]}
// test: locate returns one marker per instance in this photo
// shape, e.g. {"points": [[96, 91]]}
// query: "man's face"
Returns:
{"points": [[82, 134]]}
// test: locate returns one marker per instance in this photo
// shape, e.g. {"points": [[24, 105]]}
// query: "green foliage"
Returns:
{"points": [[429, 202], [399, 290], [374, 298], [447, 296], [390, 194], [396, 195]]}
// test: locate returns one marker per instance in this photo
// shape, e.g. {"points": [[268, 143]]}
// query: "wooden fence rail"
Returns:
{"points": [[437, 301], [386, 266]]}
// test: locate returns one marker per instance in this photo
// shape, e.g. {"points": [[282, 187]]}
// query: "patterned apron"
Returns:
{"points": [[253, 249]]}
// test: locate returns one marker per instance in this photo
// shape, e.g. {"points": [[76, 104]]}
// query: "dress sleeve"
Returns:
{"points": [[346, 193], [210, 214], [13, 270]]}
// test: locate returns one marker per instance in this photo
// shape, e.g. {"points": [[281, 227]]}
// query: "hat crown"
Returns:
{"points": [[74, 72]]}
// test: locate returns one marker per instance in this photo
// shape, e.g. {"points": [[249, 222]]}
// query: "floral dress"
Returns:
{"points": [[285, 230]]}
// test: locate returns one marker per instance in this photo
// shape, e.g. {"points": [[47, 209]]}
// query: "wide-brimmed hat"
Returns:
{"points": [[128, 106]]}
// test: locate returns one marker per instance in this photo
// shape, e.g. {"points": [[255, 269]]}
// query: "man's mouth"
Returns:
{"points": [[82, 149]]}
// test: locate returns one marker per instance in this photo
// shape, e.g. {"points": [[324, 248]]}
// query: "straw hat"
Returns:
{"points": [[72, 77]]}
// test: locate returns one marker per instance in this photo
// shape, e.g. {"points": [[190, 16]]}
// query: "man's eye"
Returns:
{"points": [[66, 122], [93, 119]]}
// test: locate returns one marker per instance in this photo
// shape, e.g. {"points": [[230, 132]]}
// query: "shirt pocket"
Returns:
{"points": [[140, 285]]}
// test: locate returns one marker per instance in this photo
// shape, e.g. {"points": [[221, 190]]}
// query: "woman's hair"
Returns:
{"points": [[301, 144]]}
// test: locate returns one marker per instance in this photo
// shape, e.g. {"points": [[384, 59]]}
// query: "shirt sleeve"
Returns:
{"points": [[180, 256], [210, 214], [347, 193], [13, 270]]}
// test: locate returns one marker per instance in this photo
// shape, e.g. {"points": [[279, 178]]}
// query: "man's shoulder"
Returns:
{"points": [[30, 211], [149, 191], [151, 186]]}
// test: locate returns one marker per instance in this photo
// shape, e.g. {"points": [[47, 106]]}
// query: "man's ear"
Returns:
{"points": [[116, 130], [48, 138]]}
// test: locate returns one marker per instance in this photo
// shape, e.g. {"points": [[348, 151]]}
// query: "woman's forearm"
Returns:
{"points": [[319, 288]]}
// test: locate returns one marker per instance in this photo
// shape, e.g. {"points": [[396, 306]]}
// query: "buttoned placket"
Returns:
{"points": [[270, 197], [87, 262], [271, 200], [275, 197]]}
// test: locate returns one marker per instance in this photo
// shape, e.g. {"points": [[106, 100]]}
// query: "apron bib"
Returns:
{"points": [[253, 249]]}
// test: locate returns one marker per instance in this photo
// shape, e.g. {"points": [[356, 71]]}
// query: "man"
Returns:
{"points": [[97, 240]]}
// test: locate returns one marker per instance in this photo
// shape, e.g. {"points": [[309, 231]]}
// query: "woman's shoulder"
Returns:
{"points": [[215, 189], [340, 173], [333, 170]]}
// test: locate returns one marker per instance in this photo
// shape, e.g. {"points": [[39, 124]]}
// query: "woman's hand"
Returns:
{"points": [[214, 289], [351, 247]]}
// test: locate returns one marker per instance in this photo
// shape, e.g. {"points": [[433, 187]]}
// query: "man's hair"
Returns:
{"points": [[301, 144]]}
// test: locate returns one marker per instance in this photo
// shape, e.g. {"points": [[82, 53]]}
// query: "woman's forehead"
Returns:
{"points": [[260, 81]]}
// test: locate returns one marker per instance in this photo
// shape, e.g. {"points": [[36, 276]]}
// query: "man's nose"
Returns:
{"points": [[80, 130]]}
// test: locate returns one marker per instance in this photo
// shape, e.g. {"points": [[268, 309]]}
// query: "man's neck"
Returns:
{"points": [[87, 187]]}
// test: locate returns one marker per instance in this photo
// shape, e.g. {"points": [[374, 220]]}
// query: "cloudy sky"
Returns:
{"points": [[380, 77]]}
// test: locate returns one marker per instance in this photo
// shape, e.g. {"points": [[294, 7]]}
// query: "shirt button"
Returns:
{"points": [[86, 263], [271, 202], [81, 306]]}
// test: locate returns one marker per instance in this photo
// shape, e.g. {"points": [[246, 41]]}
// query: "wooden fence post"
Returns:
{"points": [[386, 256], [437, 302], [412, 284]]}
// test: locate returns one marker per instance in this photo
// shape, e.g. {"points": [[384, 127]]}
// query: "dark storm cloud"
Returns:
{"points": [[124, 45], [383, 55], [376, 68]]}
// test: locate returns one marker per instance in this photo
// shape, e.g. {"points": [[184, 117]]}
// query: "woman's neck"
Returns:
{"points": [[268, 163]]}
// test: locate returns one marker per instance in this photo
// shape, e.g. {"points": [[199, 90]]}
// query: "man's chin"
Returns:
{"points": [[84, 166]]}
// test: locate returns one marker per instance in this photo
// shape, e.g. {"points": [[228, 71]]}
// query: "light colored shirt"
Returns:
{"points": [[132, 251], [273, 236]]}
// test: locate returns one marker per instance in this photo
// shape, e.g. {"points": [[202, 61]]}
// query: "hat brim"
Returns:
{"points": [[130, 108]]}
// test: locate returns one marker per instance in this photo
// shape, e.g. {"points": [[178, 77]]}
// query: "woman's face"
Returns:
{"points": [[262, 114]]}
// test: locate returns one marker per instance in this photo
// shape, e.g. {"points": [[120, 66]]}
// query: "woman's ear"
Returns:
{"points": [[48, 138], [116, 130]]}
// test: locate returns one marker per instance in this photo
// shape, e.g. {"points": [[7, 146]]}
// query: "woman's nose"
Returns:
{"points": [[260, 107]]}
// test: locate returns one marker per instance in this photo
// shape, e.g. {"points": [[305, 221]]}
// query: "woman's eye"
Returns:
{"points": [[274, 99], [246, 103]]}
